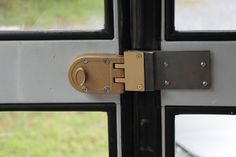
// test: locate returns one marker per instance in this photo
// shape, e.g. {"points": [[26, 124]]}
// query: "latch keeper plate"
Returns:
{"points": [[133, 66], [183, 70]]}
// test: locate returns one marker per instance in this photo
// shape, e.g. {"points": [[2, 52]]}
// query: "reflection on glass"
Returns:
{"points": [[205, 135], [51, 14], [203, 15], [53, 134]]}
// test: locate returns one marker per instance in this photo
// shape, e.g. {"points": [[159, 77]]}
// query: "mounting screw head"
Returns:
{"points": [[106, 89], [106, 60], [138, 56], [140, 86], [165, 64], [166, 83], [84, 89], [203, 64], [205, 83], [85, 60]]}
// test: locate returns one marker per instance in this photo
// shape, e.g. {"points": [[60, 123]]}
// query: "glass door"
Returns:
{"points": [[201, 122]]}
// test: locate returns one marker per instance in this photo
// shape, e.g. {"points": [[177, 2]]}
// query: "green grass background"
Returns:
{"points": [[48, 13], [53, 134]]}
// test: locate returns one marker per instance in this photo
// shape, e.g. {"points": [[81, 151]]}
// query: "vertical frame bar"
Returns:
{"points": [[140, 29]]}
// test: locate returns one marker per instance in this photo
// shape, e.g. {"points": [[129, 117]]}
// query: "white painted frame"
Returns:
{"points": [[222, 93], [36, 71]]}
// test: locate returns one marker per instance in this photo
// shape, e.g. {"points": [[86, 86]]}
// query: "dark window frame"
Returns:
{"points": [[172, 35], [140, 29], [106, 33], [109, 108], [172, 111]]}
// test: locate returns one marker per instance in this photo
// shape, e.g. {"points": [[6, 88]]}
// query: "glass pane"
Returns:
{"points": [[205, 135], [51, 14], [53, 134], [205, 15]]}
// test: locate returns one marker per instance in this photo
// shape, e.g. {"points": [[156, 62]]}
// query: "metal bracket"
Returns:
{"points": [[141, 71], [177, 70]]}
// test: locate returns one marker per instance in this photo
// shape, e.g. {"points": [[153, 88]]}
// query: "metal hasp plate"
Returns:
{"points": [[182, 70]]}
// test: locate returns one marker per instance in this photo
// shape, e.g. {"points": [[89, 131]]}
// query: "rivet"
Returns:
{"points": [[144, 121], [166, 83], [138, 56], [203, 64], [106, 60], [84, 89], [140, 86], [85, 60], [205, 83], [106, 89], [165, 64]]}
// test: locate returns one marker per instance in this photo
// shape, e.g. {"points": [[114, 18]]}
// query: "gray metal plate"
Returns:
{"points": [[182, 70]]}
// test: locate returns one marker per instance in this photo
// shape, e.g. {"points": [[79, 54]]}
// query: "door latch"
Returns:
{"points": [[141, 71]]}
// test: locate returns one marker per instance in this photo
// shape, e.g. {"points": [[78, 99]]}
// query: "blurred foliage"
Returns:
{"points": [[48, 13], [53, 134], [189, 2]]}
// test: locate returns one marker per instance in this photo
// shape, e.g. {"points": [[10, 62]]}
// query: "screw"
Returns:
{"points": [[203, 64], [138, 56], [205, 83], [85, 60], [143, 121], [140, 86], [165, 64], [84, 89], [106, 60], [166, 83], [106, 89]]}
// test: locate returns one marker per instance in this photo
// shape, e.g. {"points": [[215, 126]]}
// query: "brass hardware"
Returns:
{"points": [[80, 76], [96, 73], [134, 71]]}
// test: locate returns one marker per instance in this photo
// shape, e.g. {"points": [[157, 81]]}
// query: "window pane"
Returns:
{"points": [[53, 134], [205, 15], [205, 135], [51, 14]]}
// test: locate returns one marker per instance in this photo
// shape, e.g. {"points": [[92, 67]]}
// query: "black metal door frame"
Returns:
{"points": [[140, 29]]}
